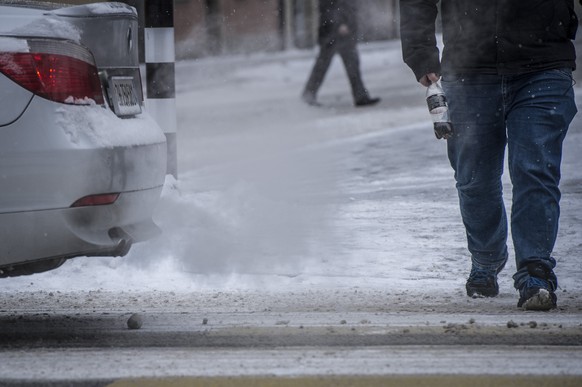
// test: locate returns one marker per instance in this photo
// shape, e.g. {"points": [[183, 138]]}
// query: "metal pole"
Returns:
{"points": [[160, 72], [288, 24]]}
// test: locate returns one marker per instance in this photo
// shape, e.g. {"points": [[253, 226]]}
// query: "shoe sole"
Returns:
{"points": [[476, 293], [542, 300]]}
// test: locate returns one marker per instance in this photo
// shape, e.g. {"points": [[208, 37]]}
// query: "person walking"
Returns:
{"points": [[506, 71], [338, 31]]}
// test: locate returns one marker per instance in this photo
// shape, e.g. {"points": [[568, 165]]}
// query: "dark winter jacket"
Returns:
{"points": [[334, 13], [488, 36]]}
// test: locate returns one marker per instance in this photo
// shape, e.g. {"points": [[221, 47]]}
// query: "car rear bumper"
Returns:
{"points": [[107, 230], [60, 154]]}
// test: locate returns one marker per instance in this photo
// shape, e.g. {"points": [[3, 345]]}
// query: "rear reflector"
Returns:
{"points": [[58, 71], [96, 200]]}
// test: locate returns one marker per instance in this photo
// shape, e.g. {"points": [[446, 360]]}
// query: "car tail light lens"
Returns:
{"points": [[96, 200], [56, 70]]}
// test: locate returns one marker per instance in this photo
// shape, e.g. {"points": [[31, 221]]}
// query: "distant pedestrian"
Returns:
{"points": [[507, 73], [338, 31]]}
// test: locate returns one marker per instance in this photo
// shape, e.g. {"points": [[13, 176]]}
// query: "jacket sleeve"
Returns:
{"points": [[417, 33]]}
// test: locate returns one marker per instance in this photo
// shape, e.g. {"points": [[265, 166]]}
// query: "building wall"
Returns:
{"points": [[215, 27], [191, 26], [250, 25], [259, 25]]}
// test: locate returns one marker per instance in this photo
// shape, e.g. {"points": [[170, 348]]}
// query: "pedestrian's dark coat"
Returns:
{"points": [[334, 13], [489, 37]]}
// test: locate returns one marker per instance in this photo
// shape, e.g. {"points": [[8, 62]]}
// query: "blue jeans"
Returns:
{"points": [[530, 114]]}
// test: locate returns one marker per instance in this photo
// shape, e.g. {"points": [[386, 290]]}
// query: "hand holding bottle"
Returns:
{"points": [[439, 111]]}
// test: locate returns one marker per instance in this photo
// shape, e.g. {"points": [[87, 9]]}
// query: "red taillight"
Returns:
{"points": [[96, 200], [55, 76]]}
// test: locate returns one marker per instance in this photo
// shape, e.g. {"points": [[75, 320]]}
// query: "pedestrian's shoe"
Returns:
{"points": [[482, 283], [537, 293], [309, 98], [367, 101]]}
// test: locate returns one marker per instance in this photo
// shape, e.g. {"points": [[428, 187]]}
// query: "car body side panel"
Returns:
{"points": [[19, 99]]}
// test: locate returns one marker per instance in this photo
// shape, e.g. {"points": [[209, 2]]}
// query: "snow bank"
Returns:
{"points": [[102, 127], [49, 27]]}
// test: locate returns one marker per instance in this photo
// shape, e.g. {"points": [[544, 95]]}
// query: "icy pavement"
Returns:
{"points": [[277, 195], [332, 234]]}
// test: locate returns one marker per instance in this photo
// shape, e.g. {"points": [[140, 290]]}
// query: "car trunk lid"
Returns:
{"points": [[110, 31]]}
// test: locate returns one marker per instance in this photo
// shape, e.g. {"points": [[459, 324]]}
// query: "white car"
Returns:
{"points": [[82, 165]]}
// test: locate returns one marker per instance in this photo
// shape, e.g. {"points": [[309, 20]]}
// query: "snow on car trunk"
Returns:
{"points": [[109, 30]]}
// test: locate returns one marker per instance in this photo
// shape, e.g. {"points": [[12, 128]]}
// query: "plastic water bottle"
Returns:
{"points": [[439, 111]]}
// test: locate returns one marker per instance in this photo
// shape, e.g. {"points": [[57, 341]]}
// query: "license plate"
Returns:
{"points": [[123, 96]]}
